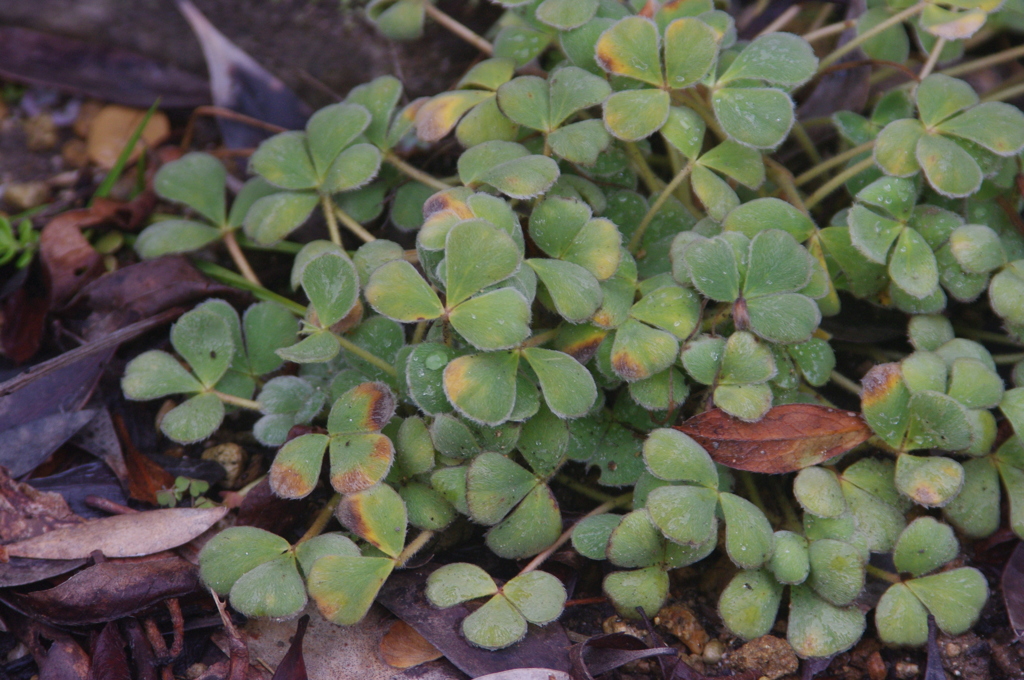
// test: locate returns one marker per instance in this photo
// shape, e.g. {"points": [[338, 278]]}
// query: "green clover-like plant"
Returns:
{"points": [[261, 573], [331, 282], [221, 365], [954, 597], [546, 106], [536, 597], [749, 97], [764, 278], [199, 182], [309, 167], [472, 107], [656, 60], [952, 139], [345, 585], [360, 455], [738, 368]]}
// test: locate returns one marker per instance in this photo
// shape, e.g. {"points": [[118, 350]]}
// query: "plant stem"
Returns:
{"points": [[238, 401], [1003, 359], [933, 58], [805, 141], [414, 547], [322, 518], [784, 178], [239, 258], [286, 247], [583, 489], [827, 165], [831, 29], [353, 226], [877, 29], [753, 491], [416, 173], [366, 356], [844, 382], [1004, 94], [567, 534], [882, 574], [838, 181], [332, 222], [419, 333], [638, 235], [781, 20], [226, 276], [986, 336], [457, 28], [984, 62], [540, 338], [654, 184]]}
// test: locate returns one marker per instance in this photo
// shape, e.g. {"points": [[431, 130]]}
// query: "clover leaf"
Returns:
{"points": [[764, 291], [360, 456], [261, 573], [472, 107], [632, 48], [953, 597], [536, 597], [197, 181], [327, 158], [546, 105], [952, 134]]}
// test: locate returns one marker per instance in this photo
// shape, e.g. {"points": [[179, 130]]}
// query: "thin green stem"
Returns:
{"points": [[286, 247], [844, 382], [784, 178], [840, 158], [366, 356], [867, 35], [583, 489], [415, 545], [226, 276], [327, 204], [540, 338], [419, 333], [416, 173], [695, 102], [805, 141], [641, 229], [831, 29], [1004, 94], [986, 336], [788, 512], [1003, 359], [933, 59], [239, 258], [654, 184], [753, 492], [882, 574], [567, 534], [238, 401], [322, 518], [353, 226], [838, 181], [984, 62]]}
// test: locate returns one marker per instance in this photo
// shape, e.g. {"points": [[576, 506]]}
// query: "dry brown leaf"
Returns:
{"points": [[403, 647], [26, 512], [112, 129], [142, 533], [788, 438]]}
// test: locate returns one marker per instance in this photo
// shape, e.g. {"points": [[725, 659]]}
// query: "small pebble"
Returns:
{"points": [[679, 620], [905, 670], [769, 655], [74, 153], [40, 132], [713, 652], [26, 195], [876, 667], [232, 458]]}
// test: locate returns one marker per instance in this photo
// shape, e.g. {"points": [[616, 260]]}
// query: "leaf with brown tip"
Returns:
{"points": [[787, 438]]}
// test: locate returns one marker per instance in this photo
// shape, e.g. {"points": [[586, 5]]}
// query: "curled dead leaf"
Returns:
{"points": [[788, 438], [135, 535], [403, 647]]}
